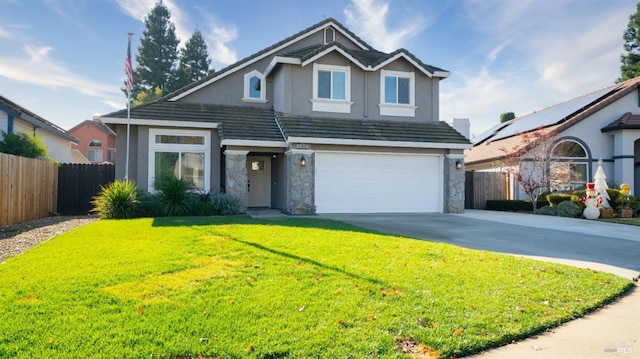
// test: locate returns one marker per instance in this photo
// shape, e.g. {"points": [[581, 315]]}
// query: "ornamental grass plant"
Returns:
{"points": [[231, 287]]}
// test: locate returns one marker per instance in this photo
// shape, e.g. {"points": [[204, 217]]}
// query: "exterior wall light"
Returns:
{"points": [[458, 165], [303, 161]]}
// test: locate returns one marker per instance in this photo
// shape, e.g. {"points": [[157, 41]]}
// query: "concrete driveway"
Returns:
{"points": [[608, 246], [612, 332]]}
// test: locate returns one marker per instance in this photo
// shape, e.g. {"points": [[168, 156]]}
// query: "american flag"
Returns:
{"points": [[128, 68]]}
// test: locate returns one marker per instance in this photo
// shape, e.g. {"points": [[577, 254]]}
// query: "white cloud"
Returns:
{"points": [[368, 19], [38, 68], [218, 38], [114, 105]]}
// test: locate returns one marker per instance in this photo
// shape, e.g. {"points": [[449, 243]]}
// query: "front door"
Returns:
{"points": [[259, 185]]}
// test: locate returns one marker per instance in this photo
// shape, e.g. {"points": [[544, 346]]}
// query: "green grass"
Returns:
{"points": [[635, 221], [296, 288]]}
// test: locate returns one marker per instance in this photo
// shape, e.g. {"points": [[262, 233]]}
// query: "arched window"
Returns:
{"points": [[569, 166], [95, 143]]}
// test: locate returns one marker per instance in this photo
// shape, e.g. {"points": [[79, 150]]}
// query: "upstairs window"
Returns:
{"points": [[254, 87], [397, 93], [95, 143], [331, 88]]}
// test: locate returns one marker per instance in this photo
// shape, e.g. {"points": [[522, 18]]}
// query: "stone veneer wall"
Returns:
{"points": [[454, 184], [300, 182], [236, 175]]}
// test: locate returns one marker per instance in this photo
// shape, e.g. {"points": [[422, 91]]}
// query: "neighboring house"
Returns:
{"points": [[96, 141], [604, 124], [15, 118], [319, 122]]}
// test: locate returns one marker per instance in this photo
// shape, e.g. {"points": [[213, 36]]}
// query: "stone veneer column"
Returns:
{"points": [[235, 178], [454, 184], [300, 188]]}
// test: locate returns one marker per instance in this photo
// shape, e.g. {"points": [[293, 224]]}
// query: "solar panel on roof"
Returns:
{"points": [[551, 115]]}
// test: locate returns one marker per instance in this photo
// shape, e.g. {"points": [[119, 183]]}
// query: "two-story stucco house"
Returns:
{"points": [[319, 122]]}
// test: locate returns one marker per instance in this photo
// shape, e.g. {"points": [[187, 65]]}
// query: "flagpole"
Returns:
{"points": [[126, 166]]}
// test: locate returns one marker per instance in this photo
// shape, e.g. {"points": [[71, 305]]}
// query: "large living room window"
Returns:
{"points": [[397, 93], [182, 154], [331, 88], [569, 166]]}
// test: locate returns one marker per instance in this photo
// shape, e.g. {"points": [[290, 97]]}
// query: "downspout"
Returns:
{"points": [[366, 95]]}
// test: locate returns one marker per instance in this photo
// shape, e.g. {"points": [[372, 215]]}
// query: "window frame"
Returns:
{"points": [[155, 147], [331, 104], [247, 87], [97, 151], [571, 162], [397, 109]]}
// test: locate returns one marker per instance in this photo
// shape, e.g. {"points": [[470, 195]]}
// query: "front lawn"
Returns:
{"points": [[238, 287], [635, 221]]}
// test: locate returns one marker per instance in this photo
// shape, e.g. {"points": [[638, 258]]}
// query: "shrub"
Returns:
{"points": [[116, 200], [225, 204], [568, 209], [512, 205], [555, 198], [24, 144], [150, 205], [174, 196], [547, 211], [201, 205]]}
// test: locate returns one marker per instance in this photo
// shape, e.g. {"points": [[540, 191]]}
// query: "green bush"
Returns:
{"points": [[117, 200], [24, 144], [174, 196], [568, 209], [547, 211], [512, 205], [225, 204], [201, 205], [556, 198], [150, 205]]}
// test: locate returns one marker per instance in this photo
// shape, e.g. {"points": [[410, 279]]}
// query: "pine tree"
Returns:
{"points": [[630, 67], [157, 53], [194, 61]]}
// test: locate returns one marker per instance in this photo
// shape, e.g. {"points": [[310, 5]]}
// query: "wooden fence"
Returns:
{"points": [[28, 189], [79, 183], [483, 186]]}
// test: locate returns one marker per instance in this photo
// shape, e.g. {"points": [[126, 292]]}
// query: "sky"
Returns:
{"points": [[64, 59]]}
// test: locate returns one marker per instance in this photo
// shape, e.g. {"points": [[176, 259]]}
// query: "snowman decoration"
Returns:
{"points": [[592, 201]]}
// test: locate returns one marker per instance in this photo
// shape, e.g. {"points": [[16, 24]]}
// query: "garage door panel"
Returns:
{"points": [[375, 183]]}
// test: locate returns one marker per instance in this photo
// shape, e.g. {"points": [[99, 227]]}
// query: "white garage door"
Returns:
{"points": [[348, 182]]}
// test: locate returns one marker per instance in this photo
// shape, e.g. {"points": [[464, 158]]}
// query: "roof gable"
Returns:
{"points": [[269, 51], [363, 55]]}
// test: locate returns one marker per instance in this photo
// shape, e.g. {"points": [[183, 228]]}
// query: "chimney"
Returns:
{"points": [[462, 125], [97, 119]]}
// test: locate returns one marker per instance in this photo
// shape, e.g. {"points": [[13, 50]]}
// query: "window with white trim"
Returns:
{"points": [[181, 154], [569, 166], [254, 87], [331, 88], [94, 155], [397, 93]]}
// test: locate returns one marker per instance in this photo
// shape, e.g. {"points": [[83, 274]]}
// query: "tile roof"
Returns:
{"points": [[236, 122], [300, 126], [628, 121]]}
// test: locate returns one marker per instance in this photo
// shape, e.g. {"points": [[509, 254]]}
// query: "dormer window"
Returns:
{"points": [[254, 87], [94, 154], [331, 88], [329, 35], [397, 93]]}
